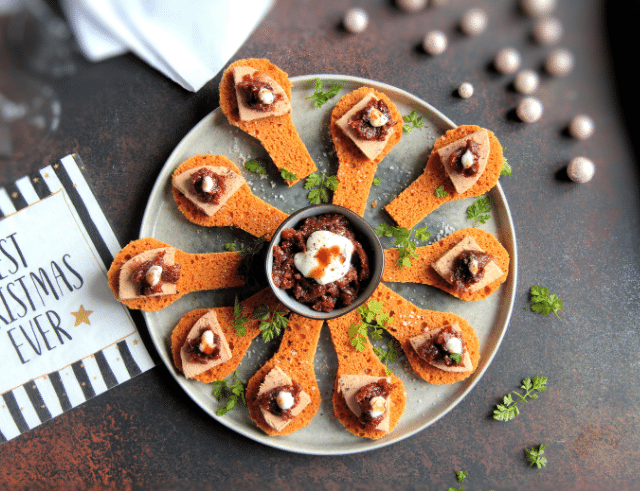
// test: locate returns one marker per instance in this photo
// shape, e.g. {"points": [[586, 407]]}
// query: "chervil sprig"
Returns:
{"points": [[255, 166], [239, 320], [388, 355], [461, 476], [480, 211], [319, 184], [440, 192], [320, 98], [545, 302], [231, 247], [412, 121], [405, 246], [229, 393], [271, 323], [287, 175], [535, 457], [371, 317], [509, 407], [506, 168]]}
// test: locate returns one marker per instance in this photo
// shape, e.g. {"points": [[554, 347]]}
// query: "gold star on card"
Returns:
{"points": [[82, 316]]}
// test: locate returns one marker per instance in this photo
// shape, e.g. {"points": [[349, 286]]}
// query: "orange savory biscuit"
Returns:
{"points": [[422, 272], [197, 272], [238, 344], [295, 358], [243, 209], [277, 134], [355, 170], [419, 199], [409, 321], [365, 362]]}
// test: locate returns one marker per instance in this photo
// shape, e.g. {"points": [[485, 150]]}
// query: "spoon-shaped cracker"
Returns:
{"points": [[277, 134], [409, 320], [355, 170], [198, 272], [419, 199], [365, 362], [421, 271], [238, 344], [243, 209], [295, 357]]}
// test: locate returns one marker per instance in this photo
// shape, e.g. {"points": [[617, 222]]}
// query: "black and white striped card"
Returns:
{"points": [[63, 337]]}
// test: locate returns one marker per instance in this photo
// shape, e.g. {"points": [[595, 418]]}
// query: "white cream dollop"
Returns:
{"points": [[284, 400], [377, 118], [265, 96], [207, 343], [327, 258], [207, 184], [453, 345], [377, 406], [467, 159], [154, 273]]}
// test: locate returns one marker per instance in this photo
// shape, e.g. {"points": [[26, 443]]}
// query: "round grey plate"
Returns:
{"points": [[214, 135]]}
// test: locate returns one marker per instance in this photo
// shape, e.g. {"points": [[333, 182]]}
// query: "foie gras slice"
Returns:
{"points": [[208, 321], [460, 182], [370, 148], [277, 378], [232, 182], [129, 289], [280, 107], [349, 385], [420, 339], [444, 265]]}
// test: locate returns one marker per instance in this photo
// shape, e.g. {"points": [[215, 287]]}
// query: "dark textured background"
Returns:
{"points": [[581, 241]]}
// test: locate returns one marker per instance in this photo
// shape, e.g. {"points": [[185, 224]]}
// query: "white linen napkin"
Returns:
{"points": [[188, 40]]}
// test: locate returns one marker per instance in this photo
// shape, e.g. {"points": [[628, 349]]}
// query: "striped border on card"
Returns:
{"points": [[40, 400]]}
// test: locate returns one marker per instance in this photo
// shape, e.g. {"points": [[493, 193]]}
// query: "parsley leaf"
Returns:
{"points": [[271, 323], [228, 393], [480, 211], [506, 168], [544, 302], [461, 476], [320, 98], [535, 457], [288, 175], [371, 317], [440, 192], [318, 184], [231, 247], [239, 320], [456, 357], [509, 408], [376, 181], [412, 121], [255, 166], [406, 247]]}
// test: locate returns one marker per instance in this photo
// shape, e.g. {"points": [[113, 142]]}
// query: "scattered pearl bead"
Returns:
{"points": [[465, 90], [507, 60], [529, 110], [411, 5], [535, 8], [435, 43], [356, 20], [474, 22], [547, 31], [526, 82], [559, 62], [581, 169], [581, 127]]}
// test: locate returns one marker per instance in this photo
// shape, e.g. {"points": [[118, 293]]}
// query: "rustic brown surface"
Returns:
{"points": [[123, 119]]}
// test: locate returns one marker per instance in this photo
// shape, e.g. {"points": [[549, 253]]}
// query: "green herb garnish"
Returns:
{"points": [[506, 168], [376, 181], [440, 192], [406, 247], [231, 247], [461, 476], [287, 175], [231, 393], [320, 98], [386, 356], [535, 457], [318, 185], [255, 166], [480, 211], [412, 121], [371, 317], [544, 302], [271, 323], [239, 320], [509, 408], [455, 357]]}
